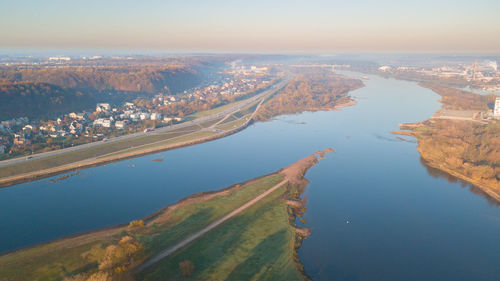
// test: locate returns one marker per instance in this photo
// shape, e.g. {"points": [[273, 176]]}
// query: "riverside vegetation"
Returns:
{"points": [[468, 150], [259, 243], [46, 92], [311, 90]]}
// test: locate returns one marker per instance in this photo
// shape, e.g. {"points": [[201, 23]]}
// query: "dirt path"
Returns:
{"points": [[211, 226]]}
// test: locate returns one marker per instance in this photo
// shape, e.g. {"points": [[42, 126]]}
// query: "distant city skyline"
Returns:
{"points": [[317, 26]]}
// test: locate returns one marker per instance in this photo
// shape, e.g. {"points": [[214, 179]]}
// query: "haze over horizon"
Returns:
{"points": [[258, 26]]}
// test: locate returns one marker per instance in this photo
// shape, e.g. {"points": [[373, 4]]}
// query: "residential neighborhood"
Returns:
{"points": [[21, 136]]}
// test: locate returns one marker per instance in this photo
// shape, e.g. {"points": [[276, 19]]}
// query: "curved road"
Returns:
{"points": [[234, 109]]}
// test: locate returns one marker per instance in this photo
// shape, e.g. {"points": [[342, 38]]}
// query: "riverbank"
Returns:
{"points": [[115, 252], [331, 94], [125, 150], [317, 90], [462, 148], [192, 140]]}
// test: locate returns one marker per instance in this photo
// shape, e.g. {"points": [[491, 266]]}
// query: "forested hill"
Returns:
{"points": [[41, 92], [40, 100], [130, 79]]}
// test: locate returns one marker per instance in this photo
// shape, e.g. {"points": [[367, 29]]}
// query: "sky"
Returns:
{"points": [[274, 26]]}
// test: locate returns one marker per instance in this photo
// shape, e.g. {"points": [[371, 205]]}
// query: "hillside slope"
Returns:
{"points": [[40, 100]]}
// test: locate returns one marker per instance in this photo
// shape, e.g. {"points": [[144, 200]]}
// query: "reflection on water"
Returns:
{"points": [[405, 222], [436, 173]]}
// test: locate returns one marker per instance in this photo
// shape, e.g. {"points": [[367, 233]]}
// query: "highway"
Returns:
{"points": [[238, 106]]}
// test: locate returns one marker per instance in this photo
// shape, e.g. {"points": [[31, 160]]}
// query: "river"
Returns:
{"points": [[376, 211]]}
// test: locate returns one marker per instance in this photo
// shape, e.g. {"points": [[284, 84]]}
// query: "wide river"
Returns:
{"points": [[376, 212]]}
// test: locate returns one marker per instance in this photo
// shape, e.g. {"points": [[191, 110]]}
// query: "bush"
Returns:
{"points": [[136, 223], [187, 268]]}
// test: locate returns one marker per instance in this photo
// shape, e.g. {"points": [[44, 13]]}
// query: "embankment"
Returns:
{"points": [[115, 252]]}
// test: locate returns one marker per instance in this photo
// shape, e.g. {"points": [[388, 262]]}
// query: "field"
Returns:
{"points": [[258, 244], [262, 237]]}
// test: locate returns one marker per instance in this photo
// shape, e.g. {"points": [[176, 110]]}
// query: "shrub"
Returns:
{"points": [[187, 268]]}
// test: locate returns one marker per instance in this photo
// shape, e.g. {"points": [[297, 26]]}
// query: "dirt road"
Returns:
{"points": [[211, 226]]}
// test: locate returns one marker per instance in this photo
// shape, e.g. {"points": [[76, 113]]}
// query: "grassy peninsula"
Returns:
{"points": [[258, 243], [467, 149]]}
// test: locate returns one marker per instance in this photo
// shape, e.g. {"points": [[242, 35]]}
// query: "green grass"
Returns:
{"points": [[177, 139], [48, 262], [194, 217], [259, 242], [132, 144], [232, 124], [104, 149], [216, 110]]}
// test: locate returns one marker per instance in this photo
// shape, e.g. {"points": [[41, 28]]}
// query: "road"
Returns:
{"points": [[211, 226], [237, 107]]}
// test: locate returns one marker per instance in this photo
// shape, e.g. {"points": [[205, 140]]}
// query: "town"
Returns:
{"points": [[482, 76], [21, 136]]}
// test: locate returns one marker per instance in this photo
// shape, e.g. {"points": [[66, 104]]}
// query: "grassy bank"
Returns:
{"points": [[258, 243], [118, 150], [92, 152], [130, 147]]}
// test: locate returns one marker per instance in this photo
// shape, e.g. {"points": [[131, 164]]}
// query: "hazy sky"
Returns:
{"points": [[254, 25]]}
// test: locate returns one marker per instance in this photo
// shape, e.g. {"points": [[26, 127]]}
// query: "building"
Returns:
{"points": [[106, 123], [102, 107], [144, 116], [20, 141], [28, 127], [496, 111], [121, 124], [384, 68], [155, 116], [78, 116]]}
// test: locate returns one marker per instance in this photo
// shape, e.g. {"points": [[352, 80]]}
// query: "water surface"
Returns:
{"points": [[406, 221]]}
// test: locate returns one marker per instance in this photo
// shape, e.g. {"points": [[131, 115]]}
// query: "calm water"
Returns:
{"points": [[406, 221]]}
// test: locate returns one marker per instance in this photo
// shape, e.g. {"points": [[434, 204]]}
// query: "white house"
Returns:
{"points": [[102, 107], [121, 124], [129, 104], [144, 116], [102, 122], [384, 68], [496, 111], [28, 127], [155, 116]]}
